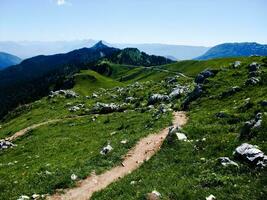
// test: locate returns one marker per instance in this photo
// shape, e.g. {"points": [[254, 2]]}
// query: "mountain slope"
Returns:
{"points": [[234, 50], [35, 77], [7, 60]]}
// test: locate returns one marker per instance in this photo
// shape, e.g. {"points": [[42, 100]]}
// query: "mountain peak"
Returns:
{"points": [[100, 45]]}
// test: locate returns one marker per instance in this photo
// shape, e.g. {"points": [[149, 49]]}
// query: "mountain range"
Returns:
{"points": [[7, 60], [27, 49], [235, 50]]}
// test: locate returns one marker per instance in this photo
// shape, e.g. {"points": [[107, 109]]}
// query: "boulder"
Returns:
{"points": [[154, 195], [129, 99], [202, 76], [251, 154], [157, 98], [177, 92], [231, 91], [221, 114], [236, 64], [181, 136], [225, 161], [252, 81], [103, 108], [246, 131], [195, 94], [211, 197], [264, 103], [66, 93], [254, 66], [4, 144], [105, 150]]}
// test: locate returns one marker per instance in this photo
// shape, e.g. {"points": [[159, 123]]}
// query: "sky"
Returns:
{"points": [[187, 22]]}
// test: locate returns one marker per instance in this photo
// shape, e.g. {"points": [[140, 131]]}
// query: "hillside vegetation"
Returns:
{"points": [[118, 103]]}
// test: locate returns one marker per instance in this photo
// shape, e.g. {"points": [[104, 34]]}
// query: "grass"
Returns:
{"points": [[184, 170]]}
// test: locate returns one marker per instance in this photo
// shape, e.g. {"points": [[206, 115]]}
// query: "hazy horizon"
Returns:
{"points": [[195, 23]]}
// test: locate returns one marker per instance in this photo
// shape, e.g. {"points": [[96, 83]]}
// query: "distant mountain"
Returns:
{"points": [[36, 77], [175, 52], [7, 60], [132, 56], [234, 50], [30, 49]]}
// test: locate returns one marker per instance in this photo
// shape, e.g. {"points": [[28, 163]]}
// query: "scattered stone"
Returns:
{"points": [[66, 93], [246, 131], [36, 196], [94, 95], [211, 197], [74, 109], [103, 108], [236, 64], [264, 103], [195, 94], [4, 144], [124, 141], [23, 197], [201, 77], [251, 154], [177, 92], [221, 114], [129, 99], [225, 161], [154, 195], [254, 67], [73, 177], [181, 136], [106, 149], [156, 98], [231, 91], [252, 81]]}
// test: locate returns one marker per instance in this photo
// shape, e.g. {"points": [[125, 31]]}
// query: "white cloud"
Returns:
{"points": [[62, 2]]}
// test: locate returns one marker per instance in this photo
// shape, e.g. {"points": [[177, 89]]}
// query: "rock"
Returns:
{"points": [[23, 197], [252, 81], [177, 92], [225, 161], [129, 99], [246, 131], [124, 141], [4, 144], [231, 91], [66, 93], [106, 149], [236, 64], [73, 177], [156, 98], [36, 196], [211, 197], [171, 80], [201, 77], [94, 95], [221, 114], [264, 103], [154, 195], [74, 109], [103, 108], [254, 66], [195, 94], [181, 136], [251, 154]]}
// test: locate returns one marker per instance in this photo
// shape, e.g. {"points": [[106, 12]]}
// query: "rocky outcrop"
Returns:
{"points": [[103, 108], [4, 144], [195, 94], [251, 154], [65, 93], [249, 126], [157, 98], [202, 76]]}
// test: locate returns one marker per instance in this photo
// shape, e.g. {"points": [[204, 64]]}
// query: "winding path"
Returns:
{"points": [[143, 151]]}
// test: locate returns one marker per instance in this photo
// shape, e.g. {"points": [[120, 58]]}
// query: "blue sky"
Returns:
{"points": [[191, 22]]}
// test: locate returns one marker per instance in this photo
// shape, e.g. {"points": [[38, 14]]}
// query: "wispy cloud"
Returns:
{"points": [[62, 2]]}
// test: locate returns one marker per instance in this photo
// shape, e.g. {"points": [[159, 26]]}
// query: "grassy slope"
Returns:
{"points": [[190, 170]]}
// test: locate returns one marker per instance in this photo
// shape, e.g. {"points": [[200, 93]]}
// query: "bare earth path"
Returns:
{"points": [[143, 150]]}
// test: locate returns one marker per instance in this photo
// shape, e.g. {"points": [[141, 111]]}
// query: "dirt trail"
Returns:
{"points": [[143, 151], [26, 130]]}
